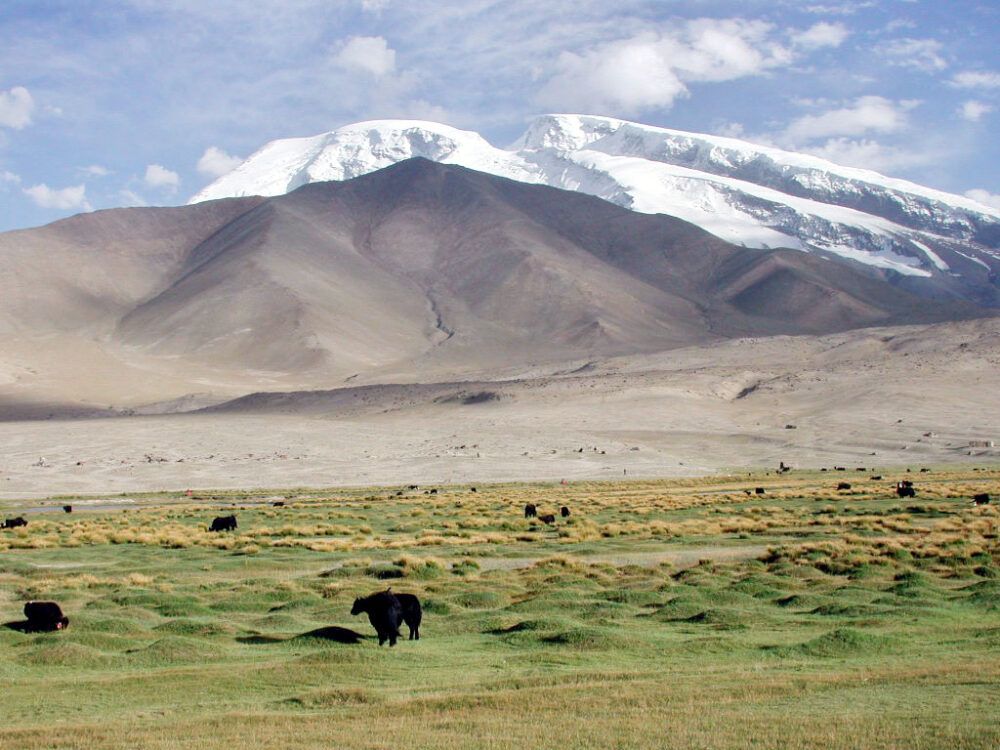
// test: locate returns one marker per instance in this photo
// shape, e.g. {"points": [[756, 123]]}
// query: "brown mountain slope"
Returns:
{"points": [[419, 271]]}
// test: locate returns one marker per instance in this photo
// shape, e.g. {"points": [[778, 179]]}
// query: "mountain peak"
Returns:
{"points": [[747, 194]]}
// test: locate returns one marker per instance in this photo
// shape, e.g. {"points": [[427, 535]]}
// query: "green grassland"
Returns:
{"points": [[660, 614]]}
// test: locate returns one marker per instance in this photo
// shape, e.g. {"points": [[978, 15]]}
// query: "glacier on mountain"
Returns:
{"points": [[745, 193]]}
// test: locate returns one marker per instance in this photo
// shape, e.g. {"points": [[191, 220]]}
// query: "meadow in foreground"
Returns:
{"points": [[677, 613]]}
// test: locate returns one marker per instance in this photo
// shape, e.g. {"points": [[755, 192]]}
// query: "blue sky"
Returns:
{"points": [[143, 102]]}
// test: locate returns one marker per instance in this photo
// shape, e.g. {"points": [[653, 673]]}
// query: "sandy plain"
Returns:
{"points": [[912, 396]]}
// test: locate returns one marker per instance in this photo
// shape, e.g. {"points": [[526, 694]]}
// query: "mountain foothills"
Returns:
{"points": [[419, 272], [931, 242]]}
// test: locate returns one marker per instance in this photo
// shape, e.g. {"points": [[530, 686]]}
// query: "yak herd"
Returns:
{"points": [[387, 610]]}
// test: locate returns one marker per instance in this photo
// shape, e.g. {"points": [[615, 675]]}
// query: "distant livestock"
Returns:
{"points": [[530, 511], [876, 477], [278, 504], [983, 498], [45, 616], [384, 613], [410, 611], [564, 512], [844, 486], [223, 523], [13, 523], [758, 491], [547, 518], [68, 508], [905, 489]]}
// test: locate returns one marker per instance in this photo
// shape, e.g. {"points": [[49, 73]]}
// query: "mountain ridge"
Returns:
{"points": [[757, 196], [421, 271]]}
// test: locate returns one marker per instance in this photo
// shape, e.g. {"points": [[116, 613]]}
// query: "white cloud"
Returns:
{"points": [[841, 9], [984, 196], [215, 162], [897, 24], [16, 106], [158, 176], [976, 79], [869, 154], [62, 198], [821, 35], [973, 110], [867, 114], [131, 199], [730, 130], [96, 170], [6, 176], [921, 54], [374, 6], [652, 68], [370, 54]]}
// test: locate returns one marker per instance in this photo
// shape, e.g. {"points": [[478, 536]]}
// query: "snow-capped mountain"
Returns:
{"points": [[934, 242]]}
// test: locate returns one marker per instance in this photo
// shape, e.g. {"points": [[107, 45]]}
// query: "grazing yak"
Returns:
{"points": [[564, 512], [223, 523], [68, 508], [905, 489], [875, 477], [844, 486], [45, 616], [410, 611], [758, 490], [13, 523], [983, 498], [547, 518], [530, 511], [384, 613]]}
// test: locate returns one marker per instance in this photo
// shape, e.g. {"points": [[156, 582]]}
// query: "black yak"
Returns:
{"points": [[410, 611], [223, 523], [758, 490], [68, 508], [905, 489], [843, 486], [530, 511], [384, 613], [13, 523], [547, 518], [983, 498], [45, 616], [564, 512]]}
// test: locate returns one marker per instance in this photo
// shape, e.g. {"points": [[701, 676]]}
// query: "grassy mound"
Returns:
{"points": [[723, 618], [198, 628], [586, 638], [56, 653], [173, 649], [333, 698], [840, 643], [483, 599]]}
